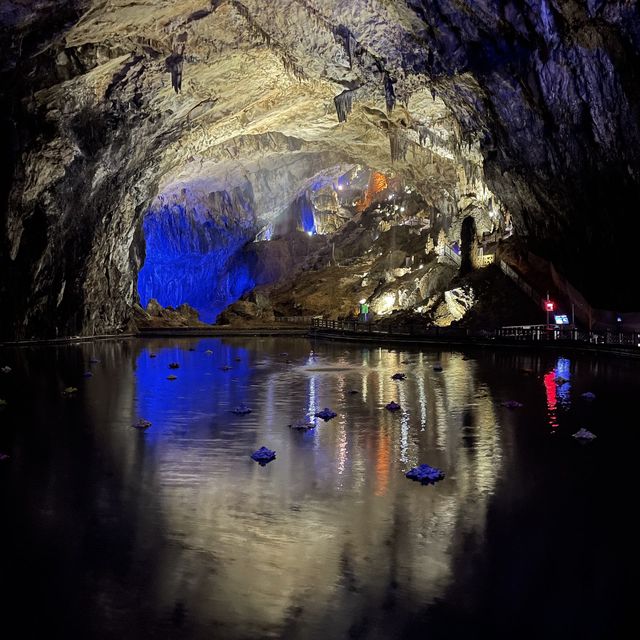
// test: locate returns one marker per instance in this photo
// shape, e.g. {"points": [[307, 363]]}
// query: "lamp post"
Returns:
{"points": [[548, 305]]}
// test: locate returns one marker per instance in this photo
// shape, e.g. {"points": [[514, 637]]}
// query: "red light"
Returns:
{"points": [[549, 305]]}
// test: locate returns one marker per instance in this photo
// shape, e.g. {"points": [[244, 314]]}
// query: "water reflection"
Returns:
{"points": [[329, 540], [557, 387]]}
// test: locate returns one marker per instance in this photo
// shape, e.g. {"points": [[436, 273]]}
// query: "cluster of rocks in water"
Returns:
{"points": [[424, 473]]}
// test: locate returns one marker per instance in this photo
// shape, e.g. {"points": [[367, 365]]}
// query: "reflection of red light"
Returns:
{"points": [[550, 388], [549, 305]]}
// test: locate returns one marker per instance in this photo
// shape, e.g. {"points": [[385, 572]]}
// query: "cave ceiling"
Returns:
{"points": [[108, 104]]}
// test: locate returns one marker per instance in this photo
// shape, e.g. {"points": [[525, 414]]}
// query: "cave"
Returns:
{"points": [[195, 183]]}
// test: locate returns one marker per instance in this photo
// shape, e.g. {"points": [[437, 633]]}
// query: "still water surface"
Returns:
{"points": [[108, 532]]}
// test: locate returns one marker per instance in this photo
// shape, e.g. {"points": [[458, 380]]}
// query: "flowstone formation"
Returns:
{"points": [[527, 110]]}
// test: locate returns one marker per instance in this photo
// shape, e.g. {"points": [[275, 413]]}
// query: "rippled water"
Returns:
{"points": [[176, 533]]}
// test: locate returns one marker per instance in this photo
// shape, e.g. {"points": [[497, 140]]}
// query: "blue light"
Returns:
{"points": [[165, 403], [194, 257], [307, 219]]}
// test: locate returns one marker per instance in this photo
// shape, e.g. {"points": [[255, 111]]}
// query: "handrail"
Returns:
{"points": [[530, 333]]}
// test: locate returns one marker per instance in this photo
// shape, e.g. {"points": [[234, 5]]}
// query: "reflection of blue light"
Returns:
{"points": [[195, 258], [164, 402], [563, 392]]}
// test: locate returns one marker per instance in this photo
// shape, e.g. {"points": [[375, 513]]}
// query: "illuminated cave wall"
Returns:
{"points": [[194, 251]]}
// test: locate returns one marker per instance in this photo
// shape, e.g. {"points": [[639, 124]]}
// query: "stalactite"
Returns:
{"points": [[342, 35], [389, 93], [292, 68], [174, 64], [344, 104], [398, 144]]}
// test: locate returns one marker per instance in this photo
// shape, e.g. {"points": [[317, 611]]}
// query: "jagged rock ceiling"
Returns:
{"points": [[110, 103]]}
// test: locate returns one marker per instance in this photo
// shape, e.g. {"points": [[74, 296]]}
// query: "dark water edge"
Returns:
{"points": [[176, 533]]}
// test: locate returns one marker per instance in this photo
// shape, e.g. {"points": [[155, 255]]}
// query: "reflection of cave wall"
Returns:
{"points": [[193, 251]]}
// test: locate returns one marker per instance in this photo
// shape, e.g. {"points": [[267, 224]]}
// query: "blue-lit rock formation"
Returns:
{"points": [[194, 252]]}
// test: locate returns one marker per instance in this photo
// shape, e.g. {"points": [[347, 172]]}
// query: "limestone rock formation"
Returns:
{"points": [[525, 111]]}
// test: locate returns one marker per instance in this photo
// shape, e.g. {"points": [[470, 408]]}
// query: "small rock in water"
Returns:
{"points": [[588, 395], [393, 406], [263, 455], [208, 352], [405, 362], [584, 434], [511, 404], [172, 377], [6, 369], [225, 368], [560, 381], [238, 359], [174, 365], [284, 353], [399, 376], [326, 414], [3, 403], [69, 391], [3, 456], [93, 360], [437, 367], [425, 474], [353, 391], [153, 355], [87, 374], [242, 410], [141, 424], [302, 425]]}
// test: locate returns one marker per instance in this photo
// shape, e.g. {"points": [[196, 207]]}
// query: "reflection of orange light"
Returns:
{"points": [[550, 388], [383, 464], [377, 183]]}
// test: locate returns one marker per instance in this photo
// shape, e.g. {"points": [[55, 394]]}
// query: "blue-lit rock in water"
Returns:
{"points": [[584, 435], [172, 377], [326, 414], [174, 365], [87, 374], [69, 391], [302, 425], [588, 395], [242, 410], [225, 367], [425, 474], [208, 352], [142, 424], [153, 355], [560, 381], [393, 406], [263, 455], [398, 376], [194, 252], [437, 367], [6, 369], [511, 404]]}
